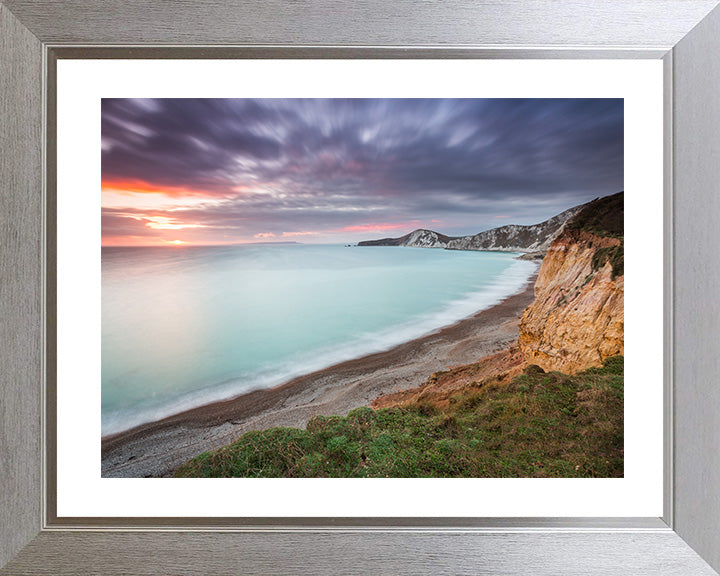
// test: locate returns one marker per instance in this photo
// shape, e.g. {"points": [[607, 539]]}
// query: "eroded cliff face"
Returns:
{"points": [[577, 318]]}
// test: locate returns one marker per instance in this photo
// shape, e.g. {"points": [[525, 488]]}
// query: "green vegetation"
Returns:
{"points": [[539, 425], [613, 254], [603, 216]]}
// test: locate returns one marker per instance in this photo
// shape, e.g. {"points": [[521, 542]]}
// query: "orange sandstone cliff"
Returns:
{"points": [[577, 318]]}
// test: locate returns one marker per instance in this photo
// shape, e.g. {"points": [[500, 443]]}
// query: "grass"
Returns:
{"points": [[603, 216], [615, 255], [539, 425]]}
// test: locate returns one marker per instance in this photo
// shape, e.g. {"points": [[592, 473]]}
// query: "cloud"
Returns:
{"points": [[288, 166]]}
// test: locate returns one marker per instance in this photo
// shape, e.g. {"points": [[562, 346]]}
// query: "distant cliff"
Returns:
{"points": [[577, 318], [511, 238], [418, 239], [514, 238]]}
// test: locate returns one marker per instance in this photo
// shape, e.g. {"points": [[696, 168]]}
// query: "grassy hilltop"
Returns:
{"points": [[538, 425]]}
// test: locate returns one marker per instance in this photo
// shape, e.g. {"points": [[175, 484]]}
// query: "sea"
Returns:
{"points": [[186, 326]]}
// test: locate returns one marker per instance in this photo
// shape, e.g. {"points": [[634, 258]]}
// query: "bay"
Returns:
{"points": [[185, 326]]}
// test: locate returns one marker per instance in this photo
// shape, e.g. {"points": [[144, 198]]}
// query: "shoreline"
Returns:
{"points": [[157, 448]]}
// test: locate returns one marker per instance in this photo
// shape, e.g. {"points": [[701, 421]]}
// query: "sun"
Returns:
{"points": [[177, 242]]}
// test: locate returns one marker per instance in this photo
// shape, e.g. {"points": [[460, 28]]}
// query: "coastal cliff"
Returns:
{"points": [[577, 318], [510, 238], [420, 238], [515, 238]]}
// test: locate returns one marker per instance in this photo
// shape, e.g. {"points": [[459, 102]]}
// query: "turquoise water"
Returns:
{"points": [[186, 326]]}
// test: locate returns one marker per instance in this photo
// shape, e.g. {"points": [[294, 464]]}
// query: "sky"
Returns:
{"points": [[225, 171]]}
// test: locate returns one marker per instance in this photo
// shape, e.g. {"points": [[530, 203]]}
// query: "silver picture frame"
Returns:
{"points": [[684, 34]]}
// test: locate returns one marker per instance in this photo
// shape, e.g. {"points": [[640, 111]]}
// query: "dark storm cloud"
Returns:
{"points": [[180, 142], [310, 162]]}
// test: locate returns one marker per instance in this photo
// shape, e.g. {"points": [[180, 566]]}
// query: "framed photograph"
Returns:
{"points": [[215, 236], [307, 322]]}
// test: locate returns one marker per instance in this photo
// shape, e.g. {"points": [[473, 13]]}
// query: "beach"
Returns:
{"points": [[156, 449]]}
